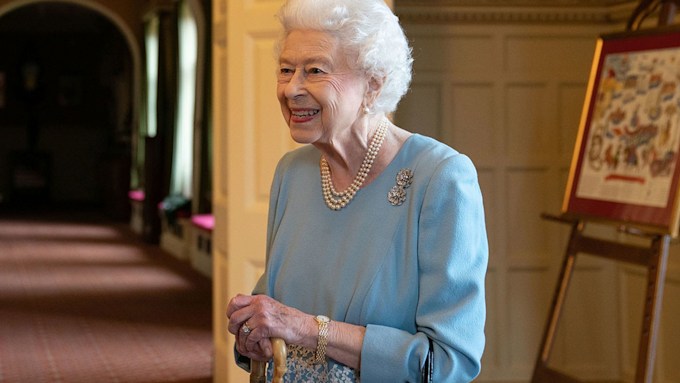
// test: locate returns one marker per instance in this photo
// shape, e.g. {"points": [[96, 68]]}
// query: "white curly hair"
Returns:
{"points": [[367, 27]]}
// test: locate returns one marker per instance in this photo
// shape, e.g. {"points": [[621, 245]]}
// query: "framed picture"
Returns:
{"points": [[625, 165]]}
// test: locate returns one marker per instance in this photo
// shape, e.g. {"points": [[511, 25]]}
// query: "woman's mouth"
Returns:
{"points": [[303, 115]]}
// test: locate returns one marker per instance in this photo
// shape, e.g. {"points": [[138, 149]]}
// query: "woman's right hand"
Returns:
{"points": [[263, 318]]}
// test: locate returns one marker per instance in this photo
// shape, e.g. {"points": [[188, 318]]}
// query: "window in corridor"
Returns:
{"points": [[151, 75], [182, 167]]}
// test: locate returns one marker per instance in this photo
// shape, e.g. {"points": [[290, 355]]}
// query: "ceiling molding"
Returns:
{"points": [[443, 12], [516, 3]]}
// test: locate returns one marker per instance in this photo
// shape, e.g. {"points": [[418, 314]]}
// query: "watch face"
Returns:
{"points": [[322, 319]]}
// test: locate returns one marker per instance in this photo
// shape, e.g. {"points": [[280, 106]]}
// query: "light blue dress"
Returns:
{"points": [[407, 273]]}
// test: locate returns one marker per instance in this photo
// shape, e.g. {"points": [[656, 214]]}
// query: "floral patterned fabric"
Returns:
{"points": [[302, 369]]}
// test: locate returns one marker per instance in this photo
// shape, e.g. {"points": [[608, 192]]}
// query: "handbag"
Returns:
{"points": [[428, 368]]}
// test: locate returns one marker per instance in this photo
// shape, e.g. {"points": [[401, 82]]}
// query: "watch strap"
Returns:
{"points": [[322, 340]]}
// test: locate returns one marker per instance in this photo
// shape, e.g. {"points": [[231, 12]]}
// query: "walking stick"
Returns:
{"points": [[258, 370]]}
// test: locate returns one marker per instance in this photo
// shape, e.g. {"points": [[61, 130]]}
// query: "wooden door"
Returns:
{"points": [[249, 138]]}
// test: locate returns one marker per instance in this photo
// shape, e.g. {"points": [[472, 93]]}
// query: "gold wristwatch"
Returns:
{"points": [[322, 341]]}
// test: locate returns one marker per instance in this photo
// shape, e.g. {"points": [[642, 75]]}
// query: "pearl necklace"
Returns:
{"points": [[337, 200]]}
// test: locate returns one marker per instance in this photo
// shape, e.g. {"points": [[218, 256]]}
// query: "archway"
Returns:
{"points": [[116, 20], [70, 77]]}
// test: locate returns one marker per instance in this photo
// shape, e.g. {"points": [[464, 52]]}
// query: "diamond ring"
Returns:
{"points": [[245, 328]]}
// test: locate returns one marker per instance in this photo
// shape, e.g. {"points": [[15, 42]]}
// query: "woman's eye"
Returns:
{"points": [[286, 71], [316, 71]]}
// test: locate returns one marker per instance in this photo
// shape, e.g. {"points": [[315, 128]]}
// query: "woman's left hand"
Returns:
{"points": [[266, 318]]}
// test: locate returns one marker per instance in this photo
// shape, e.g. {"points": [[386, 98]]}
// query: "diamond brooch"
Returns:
{"points": [[397, 195]]}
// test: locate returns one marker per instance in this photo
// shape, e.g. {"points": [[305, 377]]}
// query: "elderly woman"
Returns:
{"points": [[376, 245]]}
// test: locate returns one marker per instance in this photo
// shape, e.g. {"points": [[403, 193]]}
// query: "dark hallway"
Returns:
{"points": [[83, 300], [66, 109]]}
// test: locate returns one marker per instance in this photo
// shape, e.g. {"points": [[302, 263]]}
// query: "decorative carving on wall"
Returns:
{"points": [[514, 11], [512, 3]]}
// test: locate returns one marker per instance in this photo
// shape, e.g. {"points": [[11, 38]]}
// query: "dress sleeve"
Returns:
{"points": [[261, 287], [273, 219], [451, 311]]}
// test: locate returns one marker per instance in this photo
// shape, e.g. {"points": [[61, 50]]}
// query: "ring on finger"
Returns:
{"points": [[245, 328]]}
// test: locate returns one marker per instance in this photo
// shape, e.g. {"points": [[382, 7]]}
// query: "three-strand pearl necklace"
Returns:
{"points": [[337, 200]]}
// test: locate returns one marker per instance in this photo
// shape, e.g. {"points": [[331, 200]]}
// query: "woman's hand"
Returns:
{"points": [[267, 318]]}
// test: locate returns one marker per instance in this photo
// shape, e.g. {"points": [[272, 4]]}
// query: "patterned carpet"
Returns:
{"points": [[86, 301]]}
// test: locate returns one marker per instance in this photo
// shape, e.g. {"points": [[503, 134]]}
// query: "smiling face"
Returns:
{"points": [[321, 96]]}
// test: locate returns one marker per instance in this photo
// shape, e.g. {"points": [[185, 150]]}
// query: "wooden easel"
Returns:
{"points": [[654, 257], [667, 13]]}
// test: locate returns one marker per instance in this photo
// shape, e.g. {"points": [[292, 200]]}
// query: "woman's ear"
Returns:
{"points": [[373, 91]]}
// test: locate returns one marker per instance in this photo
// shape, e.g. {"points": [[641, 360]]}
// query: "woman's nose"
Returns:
{"points": [[295, 86]]}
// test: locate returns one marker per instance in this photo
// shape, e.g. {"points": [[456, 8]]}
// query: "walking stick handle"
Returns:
{"points": [[258, 370]]}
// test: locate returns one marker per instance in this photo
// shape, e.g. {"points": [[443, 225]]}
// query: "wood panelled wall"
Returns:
{"points": [[507, 87]]}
